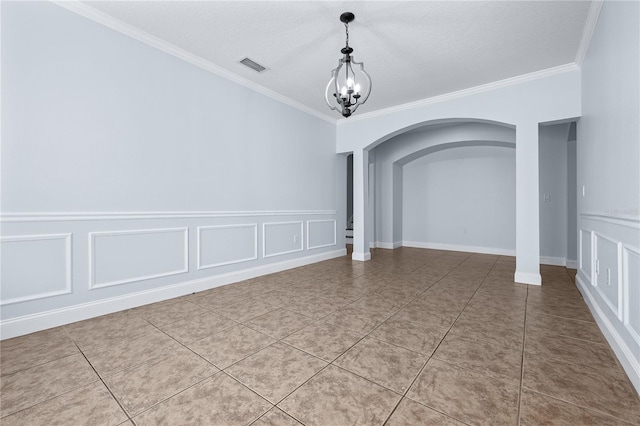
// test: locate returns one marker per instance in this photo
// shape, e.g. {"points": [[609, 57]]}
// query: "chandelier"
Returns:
{"points": [[350, 85]]}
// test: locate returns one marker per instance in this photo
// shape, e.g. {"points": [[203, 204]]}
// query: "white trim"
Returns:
{"points": [[457, 247], [361, 257], [388, 246], [617, 311], [43, 320], [512, 81], [527, 278], [91, 259], [572, 264], [553, 261], [581, 255], [264, 238], [628, 221], [588, 30], [75, 216], [68, 282], [635, 334], [624, 354], [200, 266], [335, 234], [166, 47]]}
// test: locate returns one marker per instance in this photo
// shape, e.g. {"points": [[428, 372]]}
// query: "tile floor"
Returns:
{"points": [[414, 337]]}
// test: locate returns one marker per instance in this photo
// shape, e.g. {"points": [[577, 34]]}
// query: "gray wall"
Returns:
{"points": [[553, 191], [461, 197], [608, 154], [130, 176]]}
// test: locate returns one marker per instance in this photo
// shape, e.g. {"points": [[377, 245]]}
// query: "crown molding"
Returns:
{"points": [[588, 30], [102, 18], [512, 81]]}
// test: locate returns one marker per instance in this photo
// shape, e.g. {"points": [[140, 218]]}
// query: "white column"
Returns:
{"points": [[527, 205], [360, 205]]}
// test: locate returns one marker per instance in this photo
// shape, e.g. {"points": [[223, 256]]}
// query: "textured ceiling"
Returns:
{"points": [[412, 50]]}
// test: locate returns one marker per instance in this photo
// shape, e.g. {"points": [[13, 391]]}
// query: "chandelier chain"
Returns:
{"points": [[346, 30]]}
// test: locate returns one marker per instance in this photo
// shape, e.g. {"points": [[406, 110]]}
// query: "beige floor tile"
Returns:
{"points": [[567, 308], [387, 365], [276, 371], [567, 349], [198, 327], [172, 313], [246, 310], [89, 405], [466, 395], [21, 353], [354, 319], [421, 315], [579, 385], [376, 304], [102, 332], [584, 330], [502, 362], [313, 306], [410, 413], [537, 409], [276, 417], [29, 387], [498, 332], [337, 397], [409, 335], [150, 383], [323, 340], [230, 346], [218, 400], [127, 354], [279, 323], [218, 299]]}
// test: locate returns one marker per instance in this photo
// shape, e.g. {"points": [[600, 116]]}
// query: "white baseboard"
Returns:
{"points": [[456, 247], [572, 264], [389, 246], [527, 278], [630, 363], [553, 261], [43, 320], [362, 257]]}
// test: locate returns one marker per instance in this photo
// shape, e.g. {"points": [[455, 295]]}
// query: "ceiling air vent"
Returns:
{"points": [[253, 65]]}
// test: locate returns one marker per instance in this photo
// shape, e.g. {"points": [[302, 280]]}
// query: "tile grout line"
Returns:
{"points": [[524, 340], [126, 413], [404, 395]]}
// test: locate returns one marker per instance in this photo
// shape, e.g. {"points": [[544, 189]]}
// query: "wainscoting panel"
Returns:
{"points": [[58, 268], [609, 280], [631, 285], [321, 233], [584, 255], [226, 244], [608, 273], [280, 238], [35, 267], [121, 257]]}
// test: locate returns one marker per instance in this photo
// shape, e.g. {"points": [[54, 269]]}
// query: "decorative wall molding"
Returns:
{"points": [[626, 356], [335, 236], [585, 235], [512, 81], [43, 320], [109, 21], [275, 224], [77, 216], [587, 32], [617, 307], [214, 265], [92, 269], [68, 287], [628, 221], [627, 252]]}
